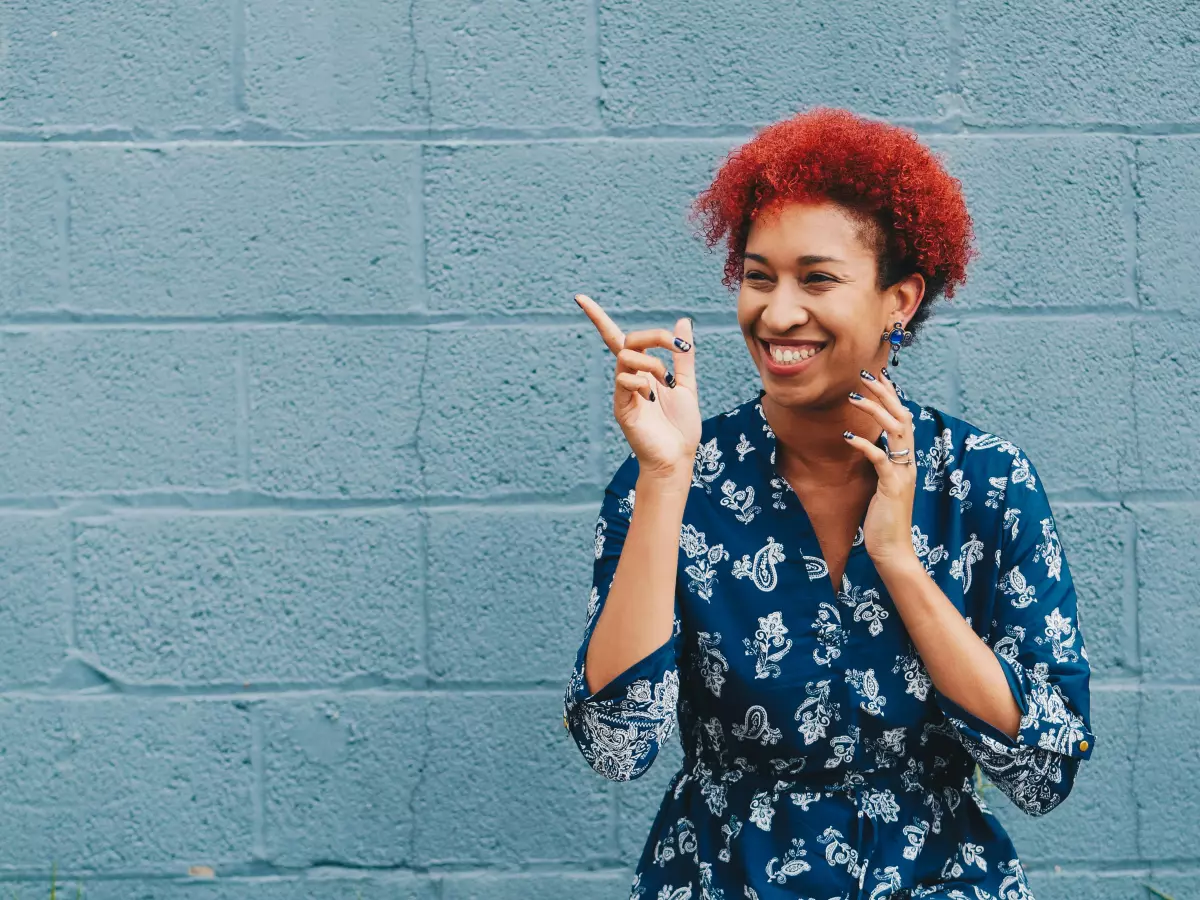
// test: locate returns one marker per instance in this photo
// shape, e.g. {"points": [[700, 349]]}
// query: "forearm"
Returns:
{"points": [[639, 612], [960, 664]]}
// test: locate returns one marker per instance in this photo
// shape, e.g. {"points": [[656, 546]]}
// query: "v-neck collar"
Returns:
{"points": [[755, 423]]}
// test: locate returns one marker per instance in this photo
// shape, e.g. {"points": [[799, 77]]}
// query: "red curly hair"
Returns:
{"points": [[880, 172]]}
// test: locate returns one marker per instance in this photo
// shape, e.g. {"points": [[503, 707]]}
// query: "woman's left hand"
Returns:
{"points": [[887, 529]]}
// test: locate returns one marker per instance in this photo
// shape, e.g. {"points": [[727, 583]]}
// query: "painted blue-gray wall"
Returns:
{"points": [[302, 436]]}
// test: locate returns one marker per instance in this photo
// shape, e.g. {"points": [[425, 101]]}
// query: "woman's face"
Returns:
{"points": [[808, 276]]}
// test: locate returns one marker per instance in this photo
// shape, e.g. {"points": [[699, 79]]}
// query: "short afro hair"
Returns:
{"points": [[913, 208]]}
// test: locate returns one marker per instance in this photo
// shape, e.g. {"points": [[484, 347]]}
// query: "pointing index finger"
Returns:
{"points": [[612, 335]]}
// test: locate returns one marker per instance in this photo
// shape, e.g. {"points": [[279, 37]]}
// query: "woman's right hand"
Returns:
{"points": [[664, 432]]}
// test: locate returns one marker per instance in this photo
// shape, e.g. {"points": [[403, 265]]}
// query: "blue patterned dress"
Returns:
{"points": [[820, 761]]}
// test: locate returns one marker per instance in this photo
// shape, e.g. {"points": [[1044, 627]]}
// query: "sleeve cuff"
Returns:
{"points": [[1078, 741], [651, 667]]}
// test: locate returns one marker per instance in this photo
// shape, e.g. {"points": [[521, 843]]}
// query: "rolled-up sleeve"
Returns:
{"points": [[1036, 635], [620, 728]]}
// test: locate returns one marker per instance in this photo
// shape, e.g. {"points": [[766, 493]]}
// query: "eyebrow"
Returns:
{"points": [[803, 260]]}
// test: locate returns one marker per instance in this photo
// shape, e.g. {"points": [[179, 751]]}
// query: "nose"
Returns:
{"points": [[784, 311]]}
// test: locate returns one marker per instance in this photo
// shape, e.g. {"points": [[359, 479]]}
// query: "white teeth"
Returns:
{"points": [[785, 356]]}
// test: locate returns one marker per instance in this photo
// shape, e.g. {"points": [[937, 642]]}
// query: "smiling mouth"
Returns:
{"points": [[783, 356]]}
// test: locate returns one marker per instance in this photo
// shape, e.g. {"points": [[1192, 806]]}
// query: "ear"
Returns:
{"points": [[908, 294]]}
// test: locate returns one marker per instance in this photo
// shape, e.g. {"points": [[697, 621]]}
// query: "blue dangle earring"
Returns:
{"points": [[898, 338]]}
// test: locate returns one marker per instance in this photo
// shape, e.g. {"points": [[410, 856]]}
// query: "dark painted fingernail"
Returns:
{"points": [[885, 373], [670, 380], [848, 434], [682, 344], [854, 395], [652, 395], [867, 375]]}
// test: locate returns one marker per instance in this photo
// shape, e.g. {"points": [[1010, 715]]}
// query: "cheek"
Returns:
{"points": [[748, 310], [851, 332], [747, 303]]}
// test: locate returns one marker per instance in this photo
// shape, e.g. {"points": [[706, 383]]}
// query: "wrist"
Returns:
{"points": [[897, 562], [669, 483]]}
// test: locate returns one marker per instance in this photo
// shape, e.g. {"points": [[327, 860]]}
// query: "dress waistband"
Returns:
{"points": [[837, 779], [864, 787]]}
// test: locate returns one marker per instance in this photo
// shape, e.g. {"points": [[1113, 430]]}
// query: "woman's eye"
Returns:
{"points": [[759, 276]]}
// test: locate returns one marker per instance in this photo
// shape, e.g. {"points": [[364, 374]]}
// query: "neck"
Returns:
{"points": [[809, 446]]}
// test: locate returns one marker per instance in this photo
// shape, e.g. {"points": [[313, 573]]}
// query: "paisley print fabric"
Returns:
{"points": [[820, 761]]}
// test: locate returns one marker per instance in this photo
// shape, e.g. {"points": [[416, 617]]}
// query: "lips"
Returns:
{"points": [[795, 366]]}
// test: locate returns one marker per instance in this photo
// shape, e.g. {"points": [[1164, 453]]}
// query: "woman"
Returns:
{"points": [[845, 598]]}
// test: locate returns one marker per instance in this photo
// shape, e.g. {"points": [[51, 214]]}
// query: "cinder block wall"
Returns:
{"points": [[302, 437]]}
